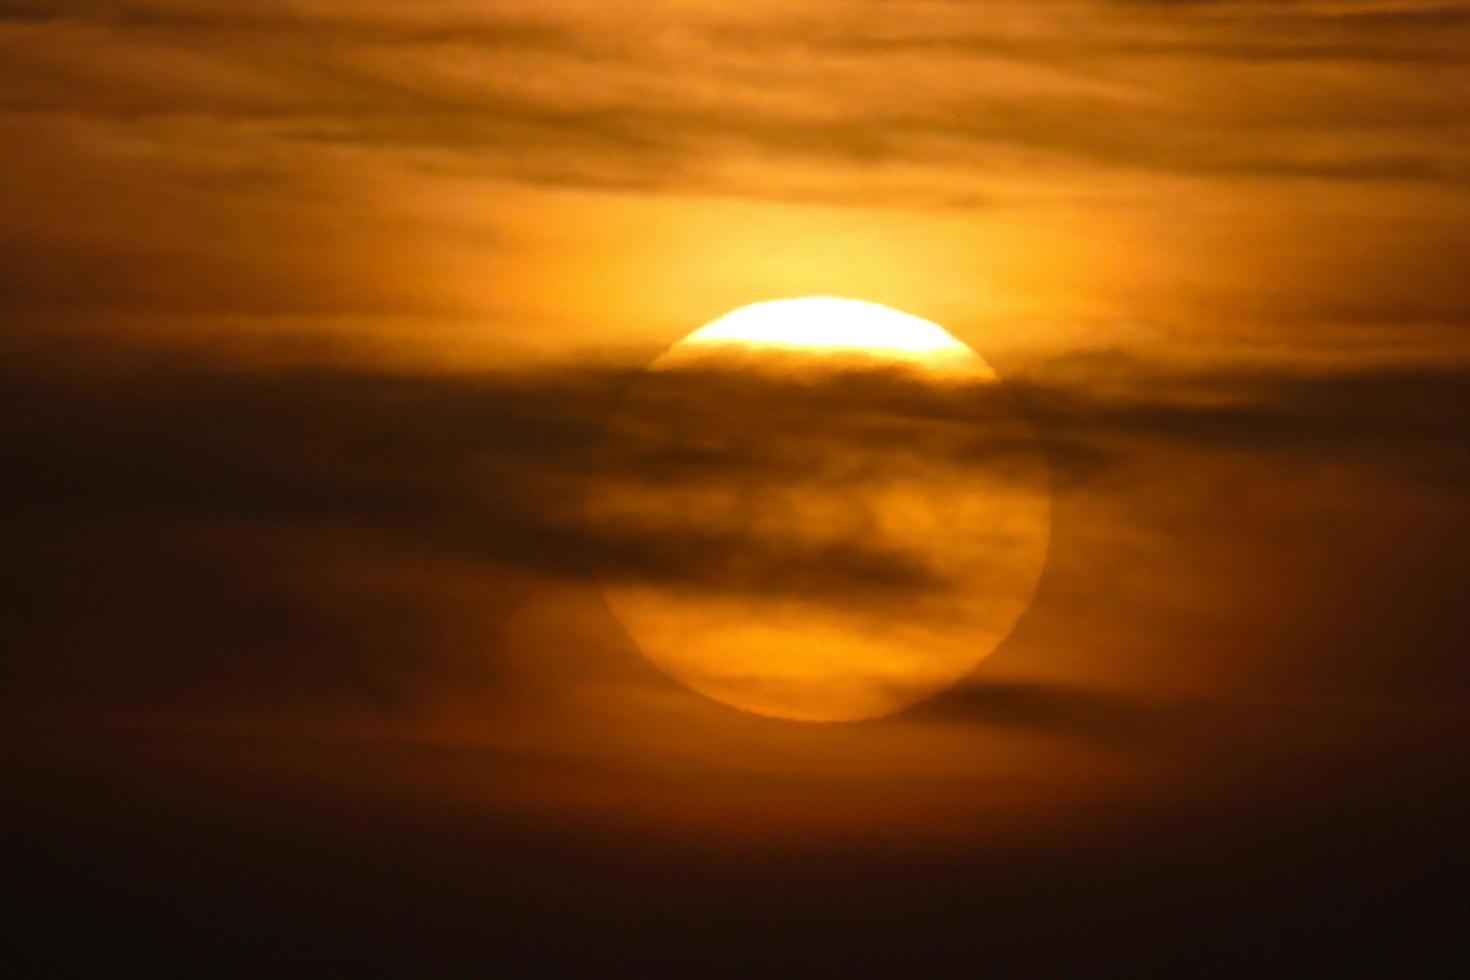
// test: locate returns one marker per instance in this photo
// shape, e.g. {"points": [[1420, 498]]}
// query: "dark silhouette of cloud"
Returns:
{"points": [[170, 520]]}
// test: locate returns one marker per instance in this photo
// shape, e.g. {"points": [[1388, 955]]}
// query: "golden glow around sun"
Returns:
{"points": [[831, 510]]}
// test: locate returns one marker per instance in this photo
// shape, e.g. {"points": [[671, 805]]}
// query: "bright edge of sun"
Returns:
{"points": [[829, 325]]}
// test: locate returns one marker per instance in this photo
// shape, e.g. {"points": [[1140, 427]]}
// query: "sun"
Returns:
{"points": [[824, 509]]}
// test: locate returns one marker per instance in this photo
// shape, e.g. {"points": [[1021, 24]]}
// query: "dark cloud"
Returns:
{"points": [[178, 521], [490, 468], [1089, 716], [174, 521], [1400, 421]]}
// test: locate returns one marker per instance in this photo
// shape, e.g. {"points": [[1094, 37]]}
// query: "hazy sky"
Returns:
{"points": [[312, 315]]}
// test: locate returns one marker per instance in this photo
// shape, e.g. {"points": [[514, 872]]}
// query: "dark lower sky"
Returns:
{"points": [[315, 321]]}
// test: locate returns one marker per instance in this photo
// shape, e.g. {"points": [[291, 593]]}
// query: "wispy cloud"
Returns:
{"points": [[668, 101]]}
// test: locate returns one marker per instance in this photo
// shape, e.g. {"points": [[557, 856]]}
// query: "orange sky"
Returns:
{"points": [[312, 315], [453, 181], [1201, 236]]}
